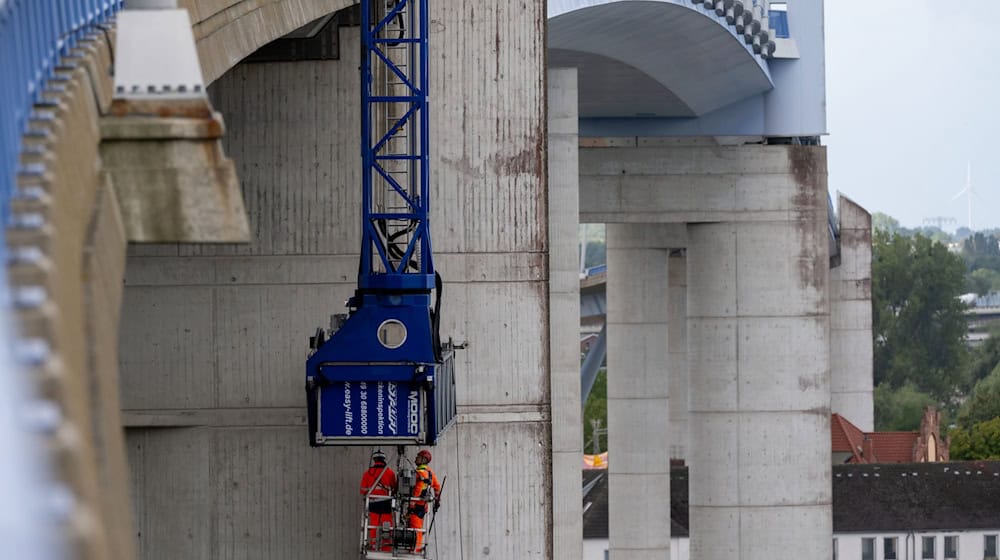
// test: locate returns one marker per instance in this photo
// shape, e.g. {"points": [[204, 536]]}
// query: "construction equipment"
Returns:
{"points": [[381, 374]]}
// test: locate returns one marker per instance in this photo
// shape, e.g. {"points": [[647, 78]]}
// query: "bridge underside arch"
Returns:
{"points": [[227, 31], [652, 58]]}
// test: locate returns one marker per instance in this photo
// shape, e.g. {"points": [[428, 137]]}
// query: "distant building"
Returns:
{"points": [[982, 315], [850, 445], [943, 511]]}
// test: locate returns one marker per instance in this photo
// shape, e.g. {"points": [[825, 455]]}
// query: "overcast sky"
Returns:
{"points": [[913, 96]]}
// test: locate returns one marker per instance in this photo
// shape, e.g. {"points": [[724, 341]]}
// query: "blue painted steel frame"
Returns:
{"points": [[356, 384], [378, 273], [34, 34]]}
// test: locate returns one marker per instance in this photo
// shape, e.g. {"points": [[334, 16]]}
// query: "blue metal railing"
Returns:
{"points": [[34, 34]]}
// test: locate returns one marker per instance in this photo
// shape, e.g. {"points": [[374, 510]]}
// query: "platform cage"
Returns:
{"points": [[395, 540]]}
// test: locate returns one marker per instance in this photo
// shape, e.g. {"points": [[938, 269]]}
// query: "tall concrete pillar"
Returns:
{"points": [[677, 355], [214, 338], [638, 392], [851, 350], [564, 314], [758, 356]]}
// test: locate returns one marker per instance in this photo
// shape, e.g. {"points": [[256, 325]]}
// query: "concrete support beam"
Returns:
{"points": [[677, 355], [650, 183], [758, 356], [564, 314], [851, 319], [638, 395]]}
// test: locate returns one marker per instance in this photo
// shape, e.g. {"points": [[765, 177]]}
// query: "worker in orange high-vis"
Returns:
{"points": [[379, 484], [425, 489]]}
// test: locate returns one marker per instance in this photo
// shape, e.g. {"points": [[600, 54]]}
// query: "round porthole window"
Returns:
{"points": [[392, 334]]}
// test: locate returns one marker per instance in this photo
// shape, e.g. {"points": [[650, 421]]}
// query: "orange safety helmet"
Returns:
{"points": [[427, 457]]}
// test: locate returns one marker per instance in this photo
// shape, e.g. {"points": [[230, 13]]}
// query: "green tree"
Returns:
{"points": [[885, 222], [981, 441], [980, 281], [984, 402], [918, 323], [984, 358], [899, 409], [596, 408]]}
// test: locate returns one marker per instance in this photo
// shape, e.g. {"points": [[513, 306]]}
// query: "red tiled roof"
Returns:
{"points": [[894, 447], [845, 437]]}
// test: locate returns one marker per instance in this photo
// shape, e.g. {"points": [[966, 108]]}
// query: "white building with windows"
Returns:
{"points": [[917, 545], [915, 511]]}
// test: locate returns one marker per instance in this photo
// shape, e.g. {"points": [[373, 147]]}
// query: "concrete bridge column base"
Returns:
{"points": [[638, 395]]}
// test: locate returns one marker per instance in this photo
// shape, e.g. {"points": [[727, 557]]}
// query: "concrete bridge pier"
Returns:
{"points": [[639, 390], [564, 312], [758, 344], [851, 360]]}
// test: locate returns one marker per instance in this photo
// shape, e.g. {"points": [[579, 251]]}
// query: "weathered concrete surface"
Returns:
{"points": [[214, 337], [651, 181], [227, 31], [638, 395], [68, 258], [173, 180], [564, 313], [758, 357], [851, 319]]}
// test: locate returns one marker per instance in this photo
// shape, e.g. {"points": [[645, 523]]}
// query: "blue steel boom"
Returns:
{"points": [[383, 374]]}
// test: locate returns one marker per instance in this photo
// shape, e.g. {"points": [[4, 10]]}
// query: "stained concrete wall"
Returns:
{"points": [[214, 338], [851, 319]]}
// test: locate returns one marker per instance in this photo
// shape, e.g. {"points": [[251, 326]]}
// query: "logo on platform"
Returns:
{"points": [[414, 412], [392, 407]]}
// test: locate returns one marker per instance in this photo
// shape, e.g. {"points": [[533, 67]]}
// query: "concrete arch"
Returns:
{"points": [[227, 31], [691, 60]]}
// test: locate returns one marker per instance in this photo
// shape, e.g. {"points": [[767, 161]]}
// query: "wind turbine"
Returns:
{"points": [[968, 191]]}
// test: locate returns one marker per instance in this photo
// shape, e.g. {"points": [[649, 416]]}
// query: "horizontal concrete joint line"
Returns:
{"points": [[215, 417], [790, 316], [767, 506], [823, 411], [503, 418]]}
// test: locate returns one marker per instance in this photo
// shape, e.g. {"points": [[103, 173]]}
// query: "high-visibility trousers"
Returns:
{"points": [[375, 521], [417, 522]]}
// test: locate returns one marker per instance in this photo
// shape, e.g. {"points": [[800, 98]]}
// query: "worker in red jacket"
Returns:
{"points": [[379, 484], [427, 488]]}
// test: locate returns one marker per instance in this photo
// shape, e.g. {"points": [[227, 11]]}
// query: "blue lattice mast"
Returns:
{"points": [[383, 375]]}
